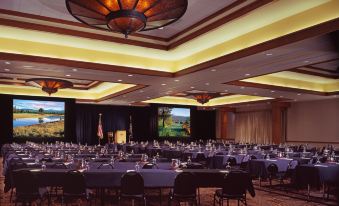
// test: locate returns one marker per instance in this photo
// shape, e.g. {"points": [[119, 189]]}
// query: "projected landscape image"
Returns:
{"points": [[174, 122], [32, 118]]}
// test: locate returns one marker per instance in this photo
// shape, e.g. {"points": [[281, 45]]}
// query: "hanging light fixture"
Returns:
{"points": [[203, 98], [49, 85], [127, 16]]}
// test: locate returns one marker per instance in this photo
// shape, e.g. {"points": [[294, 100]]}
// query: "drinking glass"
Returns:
{"points": [[43, 166]]}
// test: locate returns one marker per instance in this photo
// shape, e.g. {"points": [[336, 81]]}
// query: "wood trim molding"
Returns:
{"points": [[243, 11], [123, 92], [66, 22], [301, 71], [335, 72], [77, 33], [83, 65], [221, 11], [280, 88], [310, 32], [316, 30]]}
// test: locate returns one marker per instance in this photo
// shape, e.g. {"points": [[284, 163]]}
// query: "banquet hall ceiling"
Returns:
{"points": [[294, 65]]}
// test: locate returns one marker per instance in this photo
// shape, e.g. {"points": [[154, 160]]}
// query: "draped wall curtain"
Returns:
{"points": [[254, 127]]}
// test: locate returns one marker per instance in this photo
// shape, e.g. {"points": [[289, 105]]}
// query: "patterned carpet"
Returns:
{"points": [[264, 197]]}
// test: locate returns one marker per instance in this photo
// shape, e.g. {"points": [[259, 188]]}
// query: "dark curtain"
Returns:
{"points": [[6, 118], [87, 118], [203, 124]]}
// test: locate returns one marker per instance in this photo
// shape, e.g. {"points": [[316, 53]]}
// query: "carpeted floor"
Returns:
{"points": [[264, 197]]}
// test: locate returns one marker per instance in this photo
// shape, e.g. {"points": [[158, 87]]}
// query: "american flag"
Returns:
{"points": [[100, 132], [130, 128]]}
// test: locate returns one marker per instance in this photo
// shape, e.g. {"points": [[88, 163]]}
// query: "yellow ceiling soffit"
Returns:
{"points": [[233, 99], [297, 81], [239, 34], [95, 93]]}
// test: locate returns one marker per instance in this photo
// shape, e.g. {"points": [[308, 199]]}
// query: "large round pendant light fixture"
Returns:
{"points": [[49, 85], [127, 16]]}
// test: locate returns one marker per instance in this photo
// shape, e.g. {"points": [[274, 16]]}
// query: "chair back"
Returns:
{"points": [[246, 158], [272, 169], [25, 182], [253, 157], [47, 159], [232, 161], [185, 184], [323, 159], [132, 183], [149, 166], [59, 165], [200, 157], [74, 183], [105, 166], [235, 183], [292, 165]]}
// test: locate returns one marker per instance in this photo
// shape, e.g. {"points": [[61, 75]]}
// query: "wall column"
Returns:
{"points": [[278, 108]]}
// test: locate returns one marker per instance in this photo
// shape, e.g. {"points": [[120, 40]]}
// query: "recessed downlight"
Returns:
{"points": [[298, 94], [130, 75], [247, 75], [176, 80], [242, 87], [192, 87], [272, 91], [269, 54], [163, 84], [67, 75], [213, 70], [7, 62], [119, 80], [207, 83], [7, 70], [74, 70]]}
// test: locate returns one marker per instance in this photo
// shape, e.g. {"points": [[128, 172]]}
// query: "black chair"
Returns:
{"points": [[253, 157], [14, 164], [27, 188], [232, 161], [185, 189], [47, 159], [59, 165], [273, 173], [323, 159], [132, 187], [74, 187], [105, 166], [200, 158], [150, 166], [244, 163], [194, 165], [234, 187]]}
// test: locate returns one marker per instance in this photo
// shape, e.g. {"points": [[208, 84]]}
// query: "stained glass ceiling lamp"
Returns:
{"points": [[203, 98], [127, 16], [48, 85]]}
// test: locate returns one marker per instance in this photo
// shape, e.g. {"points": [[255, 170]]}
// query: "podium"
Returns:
{"points": [[120, 136]]}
